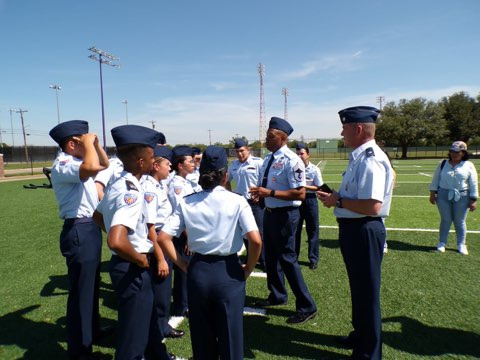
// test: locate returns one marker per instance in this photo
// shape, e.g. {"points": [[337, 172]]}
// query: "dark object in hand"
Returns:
{"points": [[325, 188]]}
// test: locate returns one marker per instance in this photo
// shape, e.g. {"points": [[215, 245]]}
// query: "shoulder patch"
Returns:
{"points": [[299, 174], [130, 185], [369, 152], [129, 198], [149, 196]]}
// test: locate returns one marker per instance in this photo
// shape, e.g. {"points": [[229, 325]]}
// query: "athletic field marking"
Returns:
{"points": [[411, 196], [425, 174], [254, 311], [405, 229], [259, 274]]}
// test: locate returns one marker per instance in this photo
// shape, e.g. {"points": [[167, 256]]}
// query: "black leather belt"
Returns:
{"points": [[280, 209], [360, 220], [84, 220]]}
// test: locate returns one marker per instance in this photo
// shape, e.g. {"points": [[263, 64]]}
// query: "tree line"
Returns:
{"points": [[421, 122]]}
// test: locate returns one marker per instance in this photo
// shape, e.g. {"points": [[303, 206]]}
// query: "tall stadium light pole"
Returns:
{"points": [[57, 88], [20, 111], [285, 108], [11, 126], [126, 110], [103, 58]]}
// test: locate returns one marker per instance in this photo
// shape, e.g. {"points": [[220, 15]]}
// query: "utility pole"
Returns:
{"points": [[11, 126], [210, 136], [285, 108], [57, 88], [380, 100], [153, 124], [20, 111], [103, 58]]}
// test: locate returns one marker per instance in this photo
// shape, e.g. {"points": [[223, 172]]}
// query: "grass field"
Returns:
{"points": [[430, 301]]}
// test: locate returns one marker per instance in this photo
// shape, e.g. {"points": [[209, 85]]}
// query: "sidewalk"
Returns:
{"points": [[23, 174]]}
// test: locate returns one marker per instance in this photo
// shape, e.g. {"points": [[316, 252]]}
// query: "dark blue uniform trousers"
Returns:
{"points": [[361, 244], [309, 214], [179, 291], [81, 245], [162, 293], [138, 333], [279, 228], [258, 215], [216, 286]]}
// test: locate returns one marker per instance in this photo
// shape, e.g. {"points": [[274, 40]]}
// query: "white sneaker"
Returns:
{"points": [[462, 249], [441, 247]]}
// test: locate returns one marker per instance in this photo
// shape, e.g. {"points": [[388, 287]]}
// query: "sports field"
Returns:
{"points": [[430, 301]]}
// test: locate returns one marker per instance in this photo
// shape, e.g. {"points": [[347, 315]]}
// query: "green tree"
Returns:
{"points": [[411, 122], [462, 116]]}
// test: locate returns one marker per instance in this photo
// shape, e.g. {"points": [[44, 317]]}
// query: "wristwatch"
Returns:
{"points": [[272, 193], [339, 203]]}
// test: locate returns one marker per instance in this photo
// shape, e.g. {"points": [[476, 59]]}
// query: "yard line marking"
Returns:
{"points": [[175, 321], [258, 274], [254, 311], [411, 196], [425, 174], [404, 229]]}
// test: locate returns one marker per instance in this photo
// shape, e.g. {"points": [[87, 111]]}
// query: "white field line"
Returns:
{"points": [[404, 229], [428, 175]]}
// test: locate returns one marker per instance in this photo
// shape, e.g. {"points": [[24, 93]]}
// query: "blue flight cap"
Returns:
{"points": [[359, 114], [162, 140], [135, 134], [196, 151], [300, 146], [181, 150], [163, 151], [214, 158], [68, 128], [280, 124], [239, 142]]}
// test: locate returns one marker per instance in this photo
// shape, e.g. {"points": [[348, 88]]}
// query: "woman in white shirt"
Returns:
{"points": [[454, 190]]}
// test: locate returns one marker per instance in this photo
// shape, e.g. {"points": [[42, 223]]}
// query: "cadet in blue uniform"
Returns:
{"points": [[282, 180], [122, 212], [216, 220], [179, 187], [81, 158], [195, 175], [158, 210], [309, 208], [360, 205], [245, 171]]}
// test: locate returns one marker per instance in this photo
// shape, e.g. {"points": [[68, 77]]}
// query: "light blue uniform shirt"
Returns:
{"points": [[178, 188], [369, 175], [110, 174], [123, 204], [76, 198], [156, 201], [461, 179], [245, 174], [286, 172], [216, 221], [313, 177]]}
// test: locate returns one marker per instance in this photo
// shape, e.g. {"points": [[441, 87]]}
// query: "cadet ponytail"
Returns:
{"points": [[210, 179]]}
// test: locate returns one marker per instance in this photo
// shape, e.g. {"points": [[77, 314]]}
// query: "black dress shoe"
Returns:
{"points": [[313, 265], [345, 341], [301, 317], [268, 302], [174, 333], [103, 332]]}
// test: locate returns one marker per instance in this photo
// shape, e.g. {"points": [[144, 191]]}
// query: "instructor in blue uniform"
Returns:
{"points": [[282, 190], [360, 205], [80, 159], [216, 220]]}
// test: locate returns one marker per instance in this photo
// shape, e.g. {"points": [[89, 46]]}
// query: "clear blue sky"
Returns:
{"points": [[191, 66]]}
